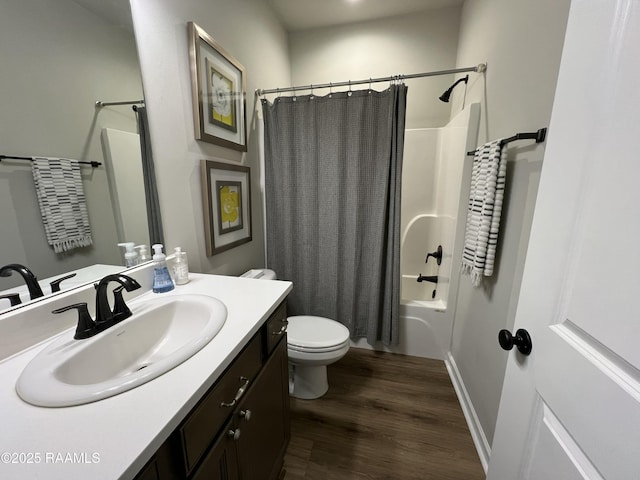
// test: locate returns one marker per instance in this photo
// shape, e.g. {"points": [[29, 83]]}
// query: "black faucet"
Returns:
{"points": [[105, 317], [29, 278]]}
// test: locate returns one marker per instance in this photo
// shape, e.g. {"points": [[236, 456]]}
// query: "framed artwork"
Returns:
{"points": [[226, 196], [218, 88]]}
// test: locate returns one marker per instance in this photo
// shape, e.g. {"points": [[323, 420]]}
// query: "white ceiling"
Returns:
{"points": [[305, 14]]}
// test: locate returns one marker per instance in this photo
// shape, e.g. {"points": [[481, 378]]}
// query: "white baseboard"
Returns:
{"points": [[477, 433]]}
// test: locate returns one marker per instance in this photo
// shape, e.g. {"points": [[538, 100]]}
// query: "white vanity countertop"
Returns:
{"points": [[114, 438]]}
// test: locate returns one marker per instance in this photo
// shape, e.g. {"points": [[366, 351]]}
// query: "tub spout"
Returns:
{"points": [[428, 278]]}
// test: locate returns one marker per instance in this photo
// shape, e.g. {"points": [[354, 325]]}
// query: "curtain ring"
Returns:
{"points": [[330, 89], [349, 92], [369, 84], [311, 97]]}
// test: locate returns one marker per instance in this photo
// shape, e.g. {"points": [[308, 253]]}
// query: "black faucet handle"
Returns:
{"points": [[86, 325], [55, 285], [437, 255], [120, 309], [14, 298]]}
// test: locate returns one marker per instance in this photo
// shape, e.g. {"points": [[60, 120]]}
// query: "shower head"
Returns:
{"points": [[447, 94]]}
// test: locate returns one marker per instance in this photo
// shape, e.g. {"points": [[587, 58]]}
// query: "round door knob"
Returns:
{"points": [[234, 434], [521, 340], [246, 414]]}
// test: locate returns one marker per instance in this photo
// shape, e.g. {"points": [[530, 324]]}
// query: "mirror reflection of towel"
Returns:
{"points": [[62, 203], [483, 214]]}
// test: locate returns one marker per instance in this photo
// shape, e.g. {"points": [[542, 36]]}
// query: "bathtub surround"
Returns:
{"points": [[333, 174]]}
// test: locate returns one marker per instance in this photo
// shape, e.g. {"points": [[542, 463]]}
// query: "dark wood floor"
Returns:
{"points": [[386, 416]]}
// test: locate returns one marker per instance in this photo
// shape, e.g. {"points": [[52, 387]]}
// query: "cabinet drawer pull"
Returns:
{"points": [[234, 434], [239, 393], [281, 331]]}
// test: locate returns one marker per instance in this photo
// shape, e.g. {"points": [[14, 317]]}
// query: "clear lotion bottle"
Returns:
{"points": [[161, 279], [180, 267]]}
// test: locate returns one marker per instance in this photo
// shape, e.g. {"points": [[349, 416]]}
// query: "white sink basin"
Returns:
{"points": [[162, 333]]}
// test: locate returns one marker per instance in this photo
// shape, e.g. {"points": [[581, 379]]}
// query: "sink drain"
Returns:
{"points": [[141, 367]]}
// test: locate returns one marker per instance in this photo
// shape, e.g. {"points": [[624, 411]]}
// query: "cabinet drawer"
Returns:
{"points": [[276, 328], [206, 420]]}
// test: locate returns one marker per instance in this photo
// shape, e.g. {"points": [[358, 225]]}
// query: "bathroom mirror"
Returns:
{"points": [[59, 58]]}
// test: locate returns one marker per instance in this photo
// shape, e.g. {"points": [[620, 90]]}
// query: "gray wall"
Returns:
{"points": [[521, 42], [250, 32], [420, 42], [57, 60]]}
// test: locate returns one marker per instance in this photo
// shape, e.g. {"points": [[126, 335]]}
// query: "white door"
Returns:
{"points": [[571, 410]]}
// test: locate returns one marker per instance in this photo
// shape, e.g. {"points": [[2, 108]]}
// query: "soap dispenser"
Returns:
{"points": [[143, 255], [161, 279], [130, 256]]}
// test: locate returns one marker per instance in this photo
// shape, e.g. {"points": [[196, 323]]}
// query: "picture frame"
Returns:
{"points": [[226, 196], [218, 85]]}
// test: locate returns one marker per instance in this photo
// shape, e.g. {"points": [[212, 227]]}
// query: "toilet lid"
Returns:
{"points": [[315, 332]]}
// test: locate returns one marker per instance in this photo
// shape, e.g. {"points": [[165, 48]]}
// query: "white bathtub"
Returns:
{"points": [[424, 330]]}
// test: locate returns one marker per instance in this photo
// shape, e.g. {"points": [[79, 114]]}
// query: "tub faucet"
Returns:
{"points": [[428, 278], [29, 278]]}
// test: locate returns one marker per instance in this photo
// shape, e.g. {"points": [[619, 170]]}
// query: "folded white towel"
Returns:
{"points": [[62, 203], [483, 213]]}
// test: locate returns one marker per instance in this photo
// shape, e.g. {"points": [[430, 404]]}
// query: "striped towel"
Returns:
{"points": [[483, 213], [62, 203]]}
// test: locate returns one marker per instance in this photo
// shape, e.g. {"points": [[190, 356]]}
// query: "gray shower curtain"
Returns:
{"points": [[333, 168]]}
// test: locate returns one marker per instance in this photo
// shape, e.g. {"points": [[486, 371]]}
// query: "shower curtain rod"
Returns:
{"points": [[479, 68], [100, 104]]}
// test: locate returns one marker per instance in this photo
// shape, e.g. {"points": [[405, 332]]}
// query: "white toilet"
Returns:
{"points": [[312, 344]]}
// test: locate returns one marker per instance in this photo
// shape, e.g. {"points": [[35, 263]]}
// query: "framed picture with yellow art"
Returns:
{"points": [[226, 197], [218, 88]]}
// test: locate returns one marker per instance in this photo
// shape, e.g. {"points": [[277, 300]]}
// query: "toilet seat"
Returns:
{"points": [[334, 348], [306, 333]]}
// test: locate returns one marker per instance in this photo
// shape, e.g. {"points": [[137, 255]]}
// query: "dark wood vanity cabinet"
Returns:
{"points": [[240, 428]]}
